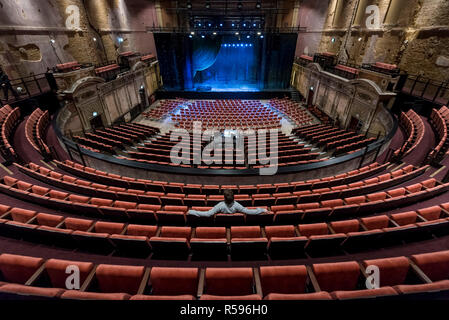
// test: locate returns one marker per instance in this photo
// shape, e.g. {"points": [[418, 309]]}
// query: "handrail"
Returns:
{"points": [[27, 87]]}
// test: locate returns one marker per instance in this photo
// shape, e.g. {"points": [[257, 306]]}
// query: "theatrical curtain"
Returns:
{"points": [[205, 53]]}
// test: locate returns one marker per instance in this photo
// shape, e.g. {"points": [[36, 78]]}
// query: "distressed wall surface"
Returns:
{"points": [[28, 26], [413, 34]]}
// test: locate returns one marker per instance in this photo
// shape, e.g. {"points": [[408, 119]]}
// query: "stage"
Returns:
{"points": [[226, 63]]}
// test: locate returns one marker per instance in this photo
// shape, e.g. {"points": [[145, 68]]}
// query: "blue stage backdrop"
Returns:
{"points": [[226, 63]]}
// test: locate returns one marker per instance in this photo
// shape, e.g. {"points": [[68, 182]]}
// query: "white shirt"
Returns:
{"points": [[222, 207]]}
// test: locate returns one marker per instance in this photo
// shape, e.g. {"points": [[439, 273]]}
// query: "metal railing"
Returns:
{"points": [[436, 92], [25, 88], [187, 30]]}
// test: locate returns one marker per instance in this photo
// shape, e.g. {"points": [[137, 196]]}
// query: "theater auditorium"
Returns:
{"points": [[224, 150]]}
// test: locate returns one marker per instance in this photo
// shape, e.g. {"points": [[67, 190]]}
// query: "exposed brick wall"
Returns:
{"points": [[412, 42], [28, 25]]}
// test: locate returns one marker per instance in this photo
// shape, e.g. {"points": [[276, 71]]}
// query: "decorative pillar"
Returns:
{"points": [[394, 10], [358, 21], [337, 13]]}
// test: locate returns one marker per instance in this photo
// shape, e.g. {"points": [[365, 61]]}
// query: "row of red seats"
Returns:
{"points": [[163, 108], [346, 72], [292, 110], [163, 186], [115, 136], [148, 57], [68, 66], [344, 142], [324, 118], [281, 163], [404, 276], [338, 136], [353, 146], [440, 125], [172, 214], [283, 241], [385, 66], [31, 128], [41, 127], [253, 197], [10, 118], [413, 125], [95, 144], [101, 139], [108, 68], [224, 115], [126, 132], [126, 54], [306, 57]]}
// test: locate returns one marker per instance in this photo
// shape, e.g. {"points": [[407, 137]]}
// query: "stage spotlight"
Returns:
{"points": [[254, 25], [258, 5], [202, 36], [214, 33], [236, 33], [199, 24], [192, 33], [261, 37], [189, 5], [239, 6], [248, 36], [259, 33], [207, 5], [210, 24], [190, 36], [221, 24], [233, 24], [244, 24]]}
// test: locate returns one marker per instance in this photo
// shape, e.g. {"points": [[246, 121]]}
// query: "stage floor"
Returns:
{"points": [[213, 86]]}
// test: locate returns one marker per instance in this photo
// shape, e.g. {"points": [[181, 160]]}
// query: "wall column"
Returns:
{"points": [[158, 8], [337, 13], [358, 21], [295, 20], [394, 10]]}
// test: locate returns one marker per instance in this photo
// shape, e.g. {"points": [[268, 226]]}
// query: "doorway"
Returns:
{"points": [[310, 98], [354, 124], [96, 122]]}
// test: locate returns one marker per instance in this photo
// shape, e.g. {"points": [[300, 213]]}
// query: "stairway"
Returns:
{"points": [[295, 95]]}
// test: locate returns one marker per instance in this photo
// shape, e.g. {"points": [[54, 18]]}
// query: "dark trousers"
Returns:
{"points": [[6, 87]]}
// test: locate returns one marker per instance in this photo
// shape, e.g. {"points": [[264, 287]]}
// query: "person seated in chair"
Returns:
{"points": [[228, 206]]}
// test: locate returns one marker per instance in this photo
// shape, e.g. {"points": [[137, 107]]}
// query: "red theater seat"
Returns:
{"points": [[56, 270], [174, 281], [229, 281], [119, 279], [337, 276], [283, 279], [18, 269]]}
